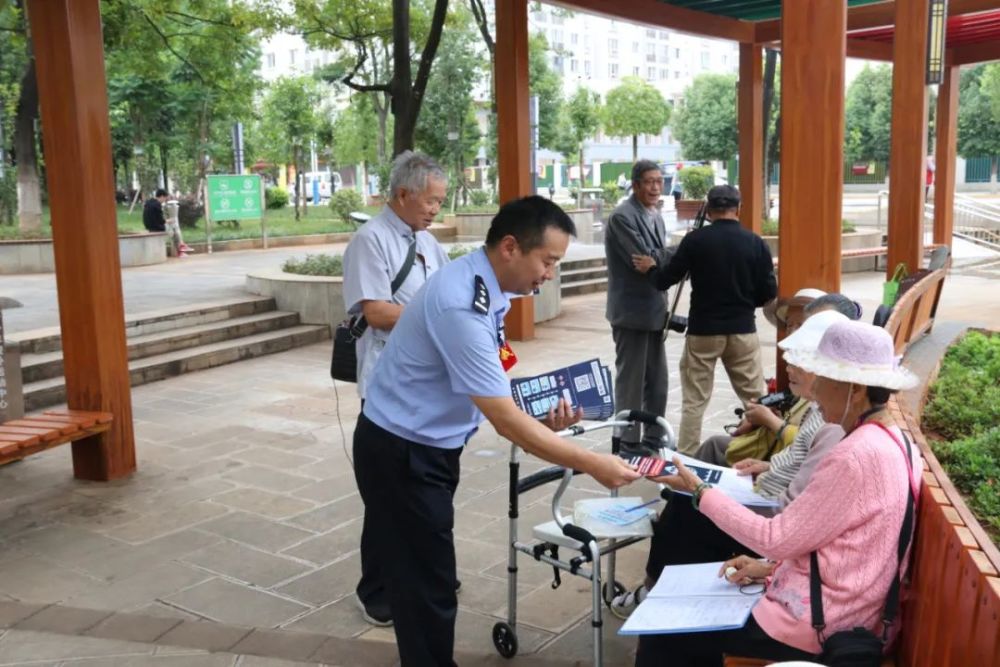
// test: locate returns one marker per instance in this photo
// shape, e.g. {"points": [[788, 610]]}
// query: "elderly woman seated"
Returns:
{"points": [[850, 515], [683, 535]]}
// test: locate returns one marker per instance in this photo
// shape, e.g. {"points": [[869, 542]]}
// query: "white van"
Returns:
{"points": [[324, 179]]}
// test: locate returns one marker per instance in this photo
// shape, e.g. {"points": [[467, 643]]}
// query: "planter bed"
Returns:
{"points": [[36, 255]]}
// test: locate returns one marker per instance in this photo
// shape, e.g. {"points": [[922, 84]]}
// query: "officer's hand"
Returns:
{"points": [[562, 416], [643, 263], [612, 471]]}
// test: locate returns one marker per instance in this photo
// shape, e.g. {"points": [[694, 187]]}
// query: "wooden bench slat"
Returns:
{"points": [[44, 434], [62, 427], [8, 448], [83, 420], [22, 439], [101, 417]]}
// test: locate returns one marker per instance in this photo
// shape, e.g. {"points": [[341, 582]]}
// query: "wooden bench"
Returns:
{"points": [[951, 603], [914, 312], [22, 437]]}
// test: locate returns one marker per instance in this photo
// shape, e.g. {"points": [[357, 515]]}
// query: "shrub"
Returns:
{"points": [[973, 464], [697, 181], [479, 197], [458, 250], [611, 193], [189, 212], [769, 227], [315, 265], [345, 201], [965, 399], [275, 198]]}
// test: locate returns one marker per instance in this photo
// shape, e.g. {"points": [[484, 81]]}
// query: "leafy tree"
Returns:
{"points": [[635, 108], [705, 124], [355, 135], [13, 59], [546, 83], [378, 44], [990, 87], [22, 86], [978, 128], [868, 115], [290, 122], [580, 120]]}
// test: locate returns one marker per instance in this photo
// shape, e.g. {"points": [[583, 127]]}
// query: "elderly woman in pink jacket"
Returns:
{"points": [[850, 514]]}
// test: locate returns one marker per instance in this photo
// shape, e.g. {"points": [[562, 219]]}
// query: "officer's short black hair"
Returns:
{"points": [[160, 192], [641, 167], [723, 198], [526, 219]]}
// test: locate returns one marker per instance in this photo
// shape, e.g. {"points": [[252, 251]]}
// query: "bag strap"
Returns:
{"points": [[892, 598], [359, 325]]}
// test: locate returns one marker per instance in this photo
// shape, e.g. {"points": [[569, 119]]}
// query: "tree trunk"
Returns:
{"points": [[635, 148], [770, 66], [382, 110], [29, 191], [579, 190], [297, 180], [163, 167], [202, 143], [408, 94]]}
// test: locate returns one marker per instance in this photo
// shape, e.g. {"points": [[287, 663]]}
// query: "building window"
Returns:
{"points": [[586, 68], [664, 52], [270, 60], [613, 48], [677, 74], [677, 53], [613, 70], [635, 71], [650, 52], [651, 34], [663, 74], [635, 47], [650, 73], [574, 65], [663, 34], [573, 38], [291, 55], [705, 59]]}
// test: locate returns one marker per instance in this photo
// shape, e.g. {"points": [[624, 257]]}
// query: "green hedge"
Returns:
{"points": [[315, 265], [964, 410]]}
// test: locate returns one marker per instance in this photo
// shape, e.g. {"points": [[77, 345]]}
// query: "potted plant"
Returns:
{"points": [[695, 184]]}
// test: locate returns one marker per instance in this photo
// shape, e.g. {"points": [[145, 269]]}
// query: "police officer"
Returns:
{"points": [[439, 376]]}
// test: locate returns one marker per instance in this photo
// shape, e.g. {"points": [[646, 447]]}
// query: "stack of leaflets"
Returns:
{"points": [[691, 598], [736, 486], [585, 385]]}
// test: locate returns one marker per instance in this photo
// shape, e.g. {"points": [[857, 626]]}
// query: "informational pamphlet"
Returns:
{"points": [[584, 385]]}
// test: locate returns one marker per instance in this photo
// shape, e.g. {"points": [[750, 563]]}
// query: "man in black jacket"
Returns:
{"points": [[731, 275], [152, 212]]}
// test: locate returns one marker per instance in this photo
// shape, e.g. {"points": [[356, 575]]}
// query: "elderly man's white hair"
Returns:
{"points": [[412, 171]]}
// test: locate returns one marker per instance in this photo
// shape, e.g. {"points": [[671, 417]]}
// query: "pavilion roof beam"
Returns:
{"points": [[874, 16], [860, 48], [661, 15], [969, 54]]}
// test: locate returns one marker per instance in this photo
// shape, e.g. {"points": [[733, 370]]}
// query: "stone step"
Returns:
{"points": [[35, 367], [587, 273], [52, 391], [40, 341], [584, 287], [572, 264]]}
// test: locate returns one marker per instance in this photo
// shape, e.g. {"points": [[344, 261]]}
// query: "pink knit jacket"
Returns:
{"points": [[850, 513]]}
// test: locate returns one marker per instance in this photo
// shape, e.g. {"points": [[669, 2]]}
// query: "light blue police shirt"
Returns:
{"points": [[371, 261], [442, 351]]}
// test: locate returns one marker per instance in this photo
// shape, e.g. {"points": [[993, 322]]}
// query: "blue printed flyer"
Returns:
{"points": [[584, 385]]}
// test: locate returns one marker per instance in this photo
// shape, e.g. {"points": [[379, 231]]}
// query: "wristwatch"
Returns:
{"points": [[698, 490]]}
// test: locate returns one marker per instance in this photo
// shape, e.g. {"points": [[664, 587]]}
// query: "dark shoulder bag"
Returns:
{"points": [[860, 647], [344, 364]]}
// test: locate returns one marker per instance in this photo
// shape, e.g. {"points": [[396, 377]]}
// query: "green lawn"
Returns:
{"points": [[281, 222]]}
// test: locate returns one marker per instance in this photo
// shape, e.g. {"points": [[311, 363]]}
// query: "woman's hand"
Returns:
{"points": [[643, 263], [751, 467], [562, 416], [684, 480], [747, 570], [758, 415]]}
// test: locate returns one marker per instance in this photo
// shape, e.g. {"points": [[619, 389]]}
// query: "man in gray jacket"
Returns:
{"points": [[636, 310]]}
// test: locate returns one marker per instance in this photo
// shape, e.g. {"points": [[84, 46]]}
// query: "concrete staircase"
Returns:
{"points": [[171, 342], [583, 276]]}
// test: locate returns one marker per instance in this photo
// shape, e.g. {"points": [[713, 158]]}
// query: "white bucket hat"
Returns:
{"points": [[776, 310], [855, 352], [807, 336]]}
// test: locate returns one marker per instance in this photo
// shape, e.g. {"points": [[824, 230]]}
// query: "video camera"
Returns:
{"points": [[781, 400]]}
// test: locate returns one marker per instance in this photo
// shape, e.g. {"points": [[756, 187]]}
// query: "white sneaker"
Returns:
{"points": [[624, 604]]}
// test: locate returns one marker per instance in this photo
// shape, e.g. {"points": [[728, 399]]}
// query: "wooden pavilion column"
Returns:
{"points": [[751, 136], [814, 47], [946, 122], [908, 150], [510, 77], [69, 54]]}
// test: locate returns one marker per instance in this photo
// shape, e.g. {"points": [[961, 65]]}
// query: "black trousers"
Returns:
{"points": [[706, 649], [408, 491], [684, 535], [371, 588]]}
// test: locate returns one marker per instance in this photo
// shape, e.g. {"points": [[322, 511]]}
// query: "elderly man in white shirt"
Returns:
{"points": [[377, 257]]}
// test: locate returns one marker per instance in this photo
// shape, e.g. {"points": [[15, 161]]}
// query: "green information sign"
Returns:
{"points": [[234, 198]]}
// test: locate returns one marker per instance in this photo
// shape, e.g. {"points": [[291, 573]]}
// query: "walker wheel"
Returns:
{"points": [[616, 589], [505, 639]]}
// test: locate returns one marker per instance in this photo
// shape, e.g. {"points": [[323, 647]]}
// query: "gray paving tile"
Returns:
{"points": [[326, 584], [33, 579], [227, 602], [268, 504], [19, 645], [12, 612], [256, 531], [204, 635], [330, 546], [330, 515], [266, 478], [167, 521], [143, 587], [63, 620], [285, 644], [257, 661], [341, 619], [246, 564], [134, 627]]}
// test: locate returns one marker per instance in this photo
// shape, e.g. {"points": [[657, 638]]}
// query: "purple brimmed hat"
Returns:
{"points": [[855, 352]]}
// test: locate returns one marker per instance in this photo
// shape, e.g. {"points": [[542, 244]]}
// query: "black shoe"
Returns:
{"points": [[458, 586], [377, 617]]}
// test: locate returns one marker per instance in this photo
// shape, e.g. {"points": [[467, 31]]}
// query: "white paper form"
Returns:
{"points": [[691, 598], [736, 486]]}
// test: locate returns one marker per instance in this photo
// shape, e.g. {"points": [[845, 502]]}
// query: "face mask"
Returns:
{"points": [[847, 405]]}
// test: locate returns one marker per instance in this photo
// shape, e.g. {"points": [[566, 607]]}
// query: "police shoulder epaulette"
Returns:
{"points": [[481, 297]]}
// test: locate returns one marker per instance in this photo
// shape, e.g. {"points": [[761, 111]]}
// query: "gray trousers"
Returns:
{"points": [[640, 379]]}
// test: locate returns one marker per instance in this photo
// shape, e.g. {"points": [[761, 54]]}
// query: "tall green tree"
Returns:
{"points": [[290, 123], [705, 123], [546, 83], [978, 127], [579, 121], [868, 115], [633, 108], [356, 135]]}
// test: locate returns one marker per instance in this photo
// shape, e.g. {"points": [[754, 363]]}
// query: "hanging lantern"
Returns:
{"points": [[936, 32]]}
